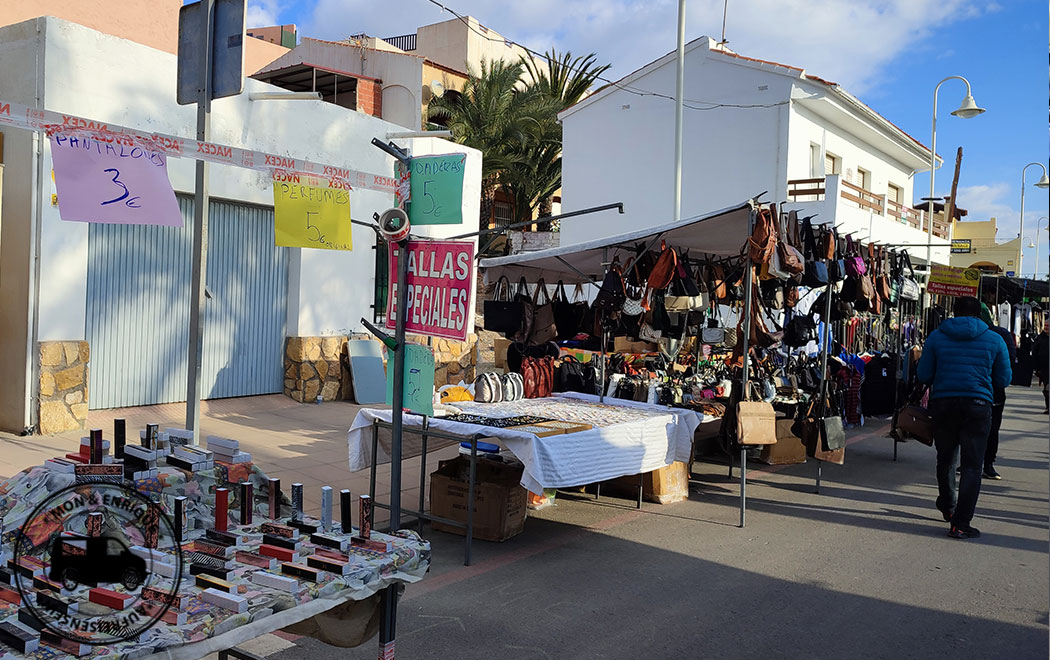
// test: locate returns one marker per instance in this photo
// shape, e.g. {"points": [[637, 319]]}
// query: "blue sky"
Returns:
{"points": [[890, 53]]}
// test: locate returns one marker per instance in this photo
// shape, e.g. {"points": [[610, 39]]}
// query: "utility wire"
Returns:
{"points": [[709, 105]]}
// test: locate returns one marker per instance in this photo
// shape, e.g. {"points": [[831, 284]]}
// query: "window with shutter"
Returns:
{"points": [[832, 164]]}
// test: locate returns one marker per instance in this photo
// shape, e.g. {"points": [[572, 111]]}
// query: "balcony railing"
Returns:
{"points": [[404, 42], [815, 189]]}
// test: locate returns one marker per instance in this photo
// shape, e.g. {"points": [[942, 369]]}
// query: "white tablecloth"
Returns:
{"points": [[649, 438]]}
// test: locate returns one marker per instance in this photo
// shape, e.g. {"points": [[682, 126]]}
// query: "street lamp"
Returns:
{"points": [[968, 108], [1043, 182], [1038, 228]]}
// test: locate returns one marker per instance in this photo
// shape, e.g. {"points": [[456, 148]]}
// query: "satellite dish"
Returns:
{"points": [[436, 88]]}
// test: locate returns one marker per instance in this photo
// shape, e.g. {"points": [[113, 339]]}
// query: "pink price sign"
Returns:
{"points": [[440, 283]]}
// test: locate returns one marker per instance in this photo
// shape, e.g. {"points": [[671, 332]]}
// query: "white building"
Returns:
{"points": [[125, 289], [750, 127]]}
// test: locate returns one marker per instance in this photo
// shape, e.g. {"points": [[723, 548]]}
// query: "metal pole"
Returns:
{"points": [[387, 629], [820, 464], [933, 170], [601, 388], [200, 231], [678, 106], [824, 355], [748, 320], [743, 484]]}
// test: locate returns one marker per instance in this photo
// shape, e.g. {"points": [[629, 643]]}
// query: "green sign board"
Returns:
{"points": [[419, 379], [437, 190]]}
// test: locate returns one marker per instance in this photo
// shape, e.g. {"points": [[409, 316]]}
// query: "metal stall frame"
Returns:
{"points": [[426, 432]]}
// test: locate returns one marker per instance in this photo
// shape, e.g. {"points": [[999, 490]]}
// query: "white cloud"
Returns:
{"points": [[1002, 202], [852, 43], [262, 13]]}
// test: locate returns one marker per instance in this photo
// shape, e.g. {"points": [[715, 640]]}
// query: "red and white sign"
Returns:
{"points": [[440, 288]]}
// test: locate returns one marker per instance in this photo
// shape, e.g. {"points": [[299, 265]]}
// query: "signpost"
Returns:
{"points": [[436, 188], [310, 212], [211, 50], [961, 246]]}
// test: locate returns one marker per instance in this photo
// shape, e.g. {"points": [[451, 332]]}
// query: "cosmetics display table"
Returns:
{"points": [[206, 628], [625, 437]]}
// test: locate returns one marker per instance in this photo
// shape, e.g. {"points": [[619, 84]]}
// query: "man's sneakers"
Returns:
{"points": [[990, 473], [967, 532]]}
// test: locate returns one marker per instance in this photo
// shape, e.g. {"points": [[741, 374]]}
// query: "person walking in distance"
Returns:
{"points": [[1041, 360], [963, 362], [999, 401]]}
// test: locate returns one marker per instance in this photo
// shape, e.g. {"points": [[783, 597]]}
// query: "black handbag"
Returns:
{"points": [[575, 376], [800, 331], [568, 316], [544, 328], [816, 272], [832, 433], [612, 293], [502, 314], [521, 295]]}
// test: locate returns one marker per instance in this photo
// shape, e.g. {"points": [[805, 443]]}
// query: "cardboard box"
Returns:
{"points": [[667, 485], [623, 345], [566, 427], [499, 499], [538, 430], [499, 348], [788, 448]]}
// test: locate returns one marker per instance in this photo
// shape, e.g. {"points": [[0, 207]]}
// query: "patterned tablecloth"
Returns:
{"points": [[209, 628], [627, 437]]}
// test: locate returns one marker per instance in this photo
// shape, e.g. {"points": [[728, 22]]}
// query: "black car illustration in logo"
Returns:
{"points": [[89, 560]]}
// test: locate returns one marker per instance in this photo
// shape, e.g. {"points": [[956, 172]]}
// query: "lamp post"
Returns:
{"points": [[968, 108], [1038, 228], [1043, 182]]}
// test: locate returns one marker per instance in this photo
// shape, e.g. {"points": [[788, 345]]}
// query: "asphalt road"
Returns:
{"points": [[862, 570]]}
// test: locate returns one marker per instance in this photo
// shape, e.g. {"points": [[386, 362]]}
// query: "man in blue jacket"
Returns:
{"points": [[963, 362]]}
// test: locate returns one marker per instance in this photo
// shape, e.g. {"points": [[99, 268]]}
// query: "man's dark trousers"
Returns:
{"points": [[961, 424], [993, 433]]}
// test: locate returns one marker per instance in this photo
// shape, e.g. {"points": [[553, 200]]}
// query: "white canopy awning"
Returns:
{"points": [[719, 234]]}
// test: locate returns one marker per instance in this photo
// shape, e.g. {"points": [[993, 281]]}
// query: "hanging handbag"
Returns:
{"points": [[791, 260], [816, 270], [717, 277], [521, 294], [800, 331], [611, 295], [832, 433], [908, 287], [684, 294], [855, 266], [502, 314], [762, 243], [790, 295], [773, 293], [756, 423], [538, 376], [544, 329], [882, 280], [568, 316]]}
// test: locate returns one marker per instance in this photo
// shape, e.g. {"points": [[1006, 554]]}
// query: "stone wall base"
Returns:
{"points": [[63, 402]]}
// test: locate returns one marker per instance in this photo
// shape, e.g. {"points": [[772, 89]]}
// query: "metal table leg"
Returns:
{"points": [[819, 466], [730, 465], [372, 471], [641, 486], [470, 498], [895, 443], [743, 484], [423, 472], [387, 622], [239, 654], [597, 491]]}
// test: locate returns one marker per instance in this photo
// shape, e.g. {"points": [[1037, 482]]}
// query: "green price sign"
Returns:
{"points": [[437, 190]]}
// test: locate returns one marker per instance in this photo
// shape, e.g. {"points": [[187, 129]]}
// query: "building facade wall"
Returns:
{"points": [[329, 291], [620, 148]]}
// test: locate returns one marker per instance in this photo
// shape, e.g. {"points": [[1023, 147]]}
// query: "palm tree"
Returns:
{"points": [[513, 121], [565, 81], [495, 115]]}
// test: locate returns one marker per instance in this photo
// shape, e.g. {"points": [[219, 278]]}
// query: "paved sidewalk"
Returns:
{"points": [[863, 570], [294, 442]]}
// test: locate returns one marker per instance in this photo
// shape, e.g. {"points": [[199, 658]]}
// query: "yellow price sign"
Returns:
{"points": [[311, 212]]}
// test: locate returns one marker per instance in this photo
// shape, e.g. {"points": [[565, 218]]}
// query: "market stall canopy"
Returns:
{"points": [[1015, 289], [718, 234]]}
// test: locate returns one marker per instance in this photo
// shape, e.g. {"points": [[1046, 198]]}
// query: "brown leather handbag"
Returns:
{"points": [[882, 279], [763, 239], [791, 260]]}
